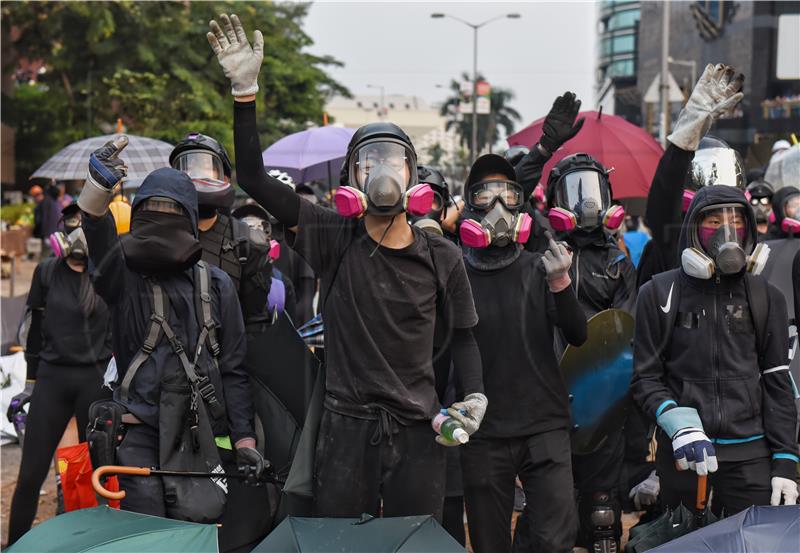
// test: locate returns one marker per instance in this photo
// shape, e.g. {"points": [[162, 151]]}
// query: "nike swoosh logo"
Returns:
{"points": [[665, 308]]}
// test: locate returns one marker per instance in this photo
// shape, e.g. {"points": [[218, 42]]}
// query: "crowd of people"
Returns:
{"points": [[430, 303]]}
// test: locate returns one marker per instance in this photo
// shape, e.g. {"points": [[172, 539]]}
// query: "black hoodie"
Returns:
{"points": [[712, 363], [778, 200]]}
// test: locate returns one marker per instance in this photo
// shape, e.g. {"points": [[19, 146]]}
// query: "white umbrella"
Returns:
{"points": [[142, 155], [784, 168]]}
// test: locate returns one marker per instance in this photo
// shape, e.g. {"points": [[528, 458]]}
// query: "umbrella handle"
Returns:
{"points": [[114, 469], [702, 495]]}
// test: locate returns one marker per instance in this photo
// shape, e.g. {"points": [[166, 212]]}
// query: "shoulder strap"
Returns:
{"points": [[240, 234], [668, 290], [758, 300], [440, 294]]}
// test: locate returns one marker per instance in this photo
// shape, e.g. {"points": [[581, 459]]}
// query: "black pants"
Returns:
{"points": [[60, 393], [736, 485], [143, 494], [360, 462], [599, 474], [542, 462]]}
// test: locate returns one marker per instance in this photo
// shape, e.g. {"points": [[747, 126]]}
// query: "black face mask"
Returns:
{"points": [[160, 243]]}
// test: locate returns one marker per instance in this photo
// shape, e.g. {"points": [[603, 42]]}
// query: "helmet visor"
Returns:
{"points": [[483, 195], [791, 207], [380, 158], [200, 164], [712, 166], [580, 187]]}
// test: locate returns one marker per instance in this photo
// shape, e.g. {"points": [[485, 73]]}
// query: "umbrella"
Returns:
{"points": [[112, 531], [762, 529], [352, 535], [142, 155], [612, 141], [784, 168], [313, 154]]}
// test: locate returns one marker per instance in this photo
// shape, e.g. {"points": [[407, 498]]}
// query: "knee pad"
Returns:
{"points": [[603, 520]]}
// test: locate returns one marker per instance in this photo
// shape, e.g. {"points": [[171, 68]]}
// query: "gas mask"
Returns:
{"points": [[762, 208], [72, 245], [582, 200], [383, 180], [719, 244], [791, 215], [496, 220]]}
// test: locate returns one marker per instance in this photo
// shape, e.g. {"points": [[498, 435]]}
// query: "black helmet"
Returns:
{"points": [[715, 162], [373, 132], [570, 164], [515, 153], [196, 142]]}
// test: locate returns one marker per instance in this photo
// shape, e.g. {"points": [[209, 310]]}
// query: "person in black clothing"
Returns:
{"points": [[432, 220], [786, 211], [68, 348], [384, 283], [716, 93], [760, 195], [162, 249], [520, 298], [580, 208], [726, 409]]}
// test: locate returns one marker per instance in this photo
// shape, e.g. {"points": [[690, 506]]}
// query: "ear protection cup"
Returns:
{"points": [[790, 226], [561, 219], [473, 235], [614, 217], [350, 202], [418, 200]]}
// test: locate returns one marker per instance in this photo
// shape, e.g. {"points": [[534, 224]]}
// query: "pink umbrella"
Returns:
{"points": [[612, 141]]}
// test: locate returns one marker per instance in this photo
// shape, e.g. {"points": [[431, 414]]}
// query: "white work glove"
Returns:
{"points": [[556, 261], [239, 61], [645, 493], [473, 407], [716, 93], [783, 487]]}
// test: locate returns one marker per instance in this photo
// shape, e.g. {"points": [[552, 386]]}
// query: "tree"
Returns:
{"points": [[149, 63], [502, 116]]}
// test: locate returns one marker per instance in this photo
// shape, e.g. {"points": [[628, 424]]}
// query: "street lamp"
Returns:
{"points": [[383, 108], [475, 27]]}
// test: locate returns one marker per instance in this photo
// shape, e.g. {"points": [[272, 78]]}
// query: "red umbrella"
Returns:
{"points": [[612, 141]]}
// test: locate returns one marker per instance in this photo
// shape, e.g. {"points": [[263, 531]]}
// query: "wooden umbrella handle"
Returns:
{"points": [[702, 489], [114, 469]]}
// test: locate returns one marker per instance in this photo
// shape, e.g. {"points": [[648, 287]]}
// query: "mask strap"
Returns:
{"points": [[385, 232]]}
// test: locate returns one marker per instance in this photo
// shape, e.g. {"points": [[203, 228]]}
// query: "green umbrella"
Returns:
{"points": [[113, 531], [365, 535]]}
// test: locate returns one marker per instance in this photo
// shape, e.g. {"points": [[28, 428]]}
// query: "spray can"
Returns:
{"points": [[445, 425]]}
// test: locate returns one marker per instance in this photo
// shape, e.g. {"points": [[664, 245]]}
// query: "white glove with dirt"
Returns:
{"points": [[239, 61], [470, 412], [783, 487]]}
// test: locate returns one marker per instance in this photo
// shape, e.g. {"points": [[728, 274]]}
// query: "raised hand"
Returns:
{"points": [[716, 93], [106, 170], [240, 62], [559, 125], [556, 261]]}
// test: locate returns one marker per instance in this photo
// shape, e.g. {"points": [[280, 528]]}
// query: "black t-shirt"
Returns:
{"points": [[521, 377], [70, 336], [380, 314]]}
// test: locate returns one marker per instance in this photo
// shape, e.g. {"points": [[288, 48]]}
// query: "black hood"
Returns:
{"points": [[778, 199], [716, 195], [170, 183]]}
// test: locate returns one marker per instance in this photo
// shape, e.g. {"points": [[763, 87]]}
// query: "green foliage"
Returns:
{"points": [[17, 214], [502, 115], [149, 63]]}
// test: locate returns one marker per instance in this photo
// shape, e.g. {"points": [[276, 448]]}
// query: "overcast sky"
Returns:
{"points": [[550, 49]]}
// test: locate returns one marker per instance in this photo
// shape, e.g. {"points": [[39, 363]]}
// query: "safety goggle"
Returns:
{"points": [[161, 205], [483, 195]]}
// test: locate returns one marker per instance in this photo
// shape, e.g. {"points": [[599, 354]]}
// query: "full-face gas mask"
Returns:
{"points": [[720, 242], [791, 215], [381, 175], [432, 220], [760, 197], [257, 218], [497, 221], [580, 196], [714, 163]]}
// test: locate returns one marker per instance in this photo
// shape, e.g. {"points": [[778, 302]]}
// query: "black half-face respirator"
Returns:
{"points": [[720, 242]]}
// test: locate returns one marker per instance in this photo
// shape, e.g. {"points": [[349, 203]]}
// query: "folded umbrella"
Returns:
{"points": [[611, 140]]}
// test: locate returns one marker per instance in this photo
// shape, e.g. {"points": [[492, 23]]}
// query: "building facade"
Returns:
{"points": [[616, 80]]}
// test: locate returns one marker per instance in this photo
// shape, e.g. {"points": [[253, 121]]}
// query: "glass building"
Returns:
{"points": [[618, 51]]}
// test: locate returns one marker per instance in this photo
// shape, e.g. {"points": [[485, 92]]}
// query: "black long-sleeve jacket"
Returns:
{"points": [[664, 213], [712, 363], [129, 297]]}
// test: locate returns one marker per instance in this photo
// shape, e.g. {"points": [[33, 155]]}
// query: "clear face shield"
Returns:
{"points": [[585, 193], [382, 170], [200, 164], [712, 166], [722, 233], [791, 207]]}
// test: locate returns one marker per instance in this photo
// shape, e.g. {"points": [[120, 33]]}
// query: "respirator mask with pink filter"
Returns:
{"points": [[582, 200], [382, 180], [492, 215]]}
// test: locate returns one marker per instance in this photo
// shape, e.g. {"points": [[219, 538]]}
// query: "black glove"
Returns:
{"points": [[559, 125], [250, 463], [19, 401]]}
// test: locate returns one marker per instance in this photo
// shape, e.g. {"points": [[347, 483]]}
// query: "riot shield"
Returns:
{"points": [[598, 376]]}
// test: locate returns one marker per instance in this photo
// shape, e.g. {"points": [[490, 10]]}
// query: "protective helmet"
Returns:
{"points": [[206, 162], [579, 195], [379, 174], [515, 153]]}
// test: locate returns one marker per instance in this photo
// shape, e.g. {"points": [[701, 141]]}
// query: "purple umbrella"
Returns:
{"points": [[314, 154]]}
